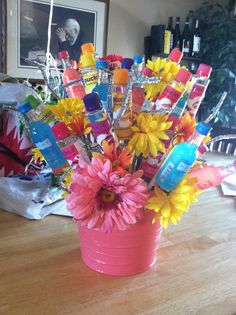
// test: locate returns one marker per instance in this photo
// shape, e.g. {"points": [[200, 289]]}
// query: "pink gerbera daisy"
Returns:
{"points": [[100, 199]]}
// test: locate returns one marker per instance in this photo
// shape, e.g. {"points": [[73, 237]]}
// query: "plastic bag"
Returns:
{"points": [[31, 196]]}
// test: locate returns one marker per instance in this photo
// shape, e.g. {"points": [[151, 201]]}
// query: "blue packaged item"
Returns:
{"points": [[180, 159]]}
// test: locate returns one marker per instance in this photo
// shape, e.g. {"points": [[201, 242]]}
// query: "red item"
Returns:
{"points": [[121, 253], [60, 131], [175, 55], [183, 76], [15, 149], [204, 70]]}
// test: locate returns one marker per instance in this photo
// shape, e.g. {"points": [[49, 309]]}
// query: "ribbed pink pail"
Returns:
{"points": [[121, 253]]}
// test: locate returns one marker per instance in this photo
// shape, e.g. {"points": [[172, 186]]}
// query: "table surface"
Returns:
{"points": [[41, 272]]}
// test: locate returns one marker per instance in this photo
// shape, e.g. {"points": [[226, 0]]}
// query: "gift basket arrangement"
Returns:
{"points": [[121, 139]]}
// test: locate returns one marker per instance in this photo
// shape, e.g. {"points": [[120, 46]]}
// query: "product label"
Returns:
{"points": [[196, 44], [171, 40], [97, 116], [44, 144], [70, 152], [167, 42], [118, 99], [101, 127], [46, 116], [168, 98], [195, 98], [182, 167], [90, 81], [186, 46]]}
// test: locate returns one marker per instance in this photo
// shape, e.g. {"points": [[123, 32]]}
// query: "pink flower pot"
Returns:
{"points": [[121, 253]]}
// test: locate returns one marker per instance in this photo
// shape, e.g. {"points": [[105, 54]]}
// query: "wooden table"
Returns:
{"points": [[41, 272]]}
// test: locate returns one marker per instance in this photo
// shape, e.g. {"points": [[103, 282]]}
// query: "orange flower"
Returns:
{"points": [[185, 128], [79, 125], [120, 160]]}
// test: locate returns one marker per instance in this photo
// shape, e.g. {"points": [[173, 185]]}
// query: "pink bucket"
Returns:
{"points": [[121, 253]]}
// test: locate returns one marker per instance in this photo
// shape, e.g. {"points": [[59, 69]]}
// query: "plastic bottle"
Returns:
{"points": [[121, 79], [173, 91], [74, 89], [89, 72], [44, 139], [180, 159], [127, 63], [41, 111], [102, 83], [137, 65], [98, 119], [66, 141], [199, 88]]}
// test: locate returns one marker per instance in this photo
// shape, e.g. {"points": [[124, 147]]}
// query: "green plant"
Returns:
{"points": [[218, 24]]}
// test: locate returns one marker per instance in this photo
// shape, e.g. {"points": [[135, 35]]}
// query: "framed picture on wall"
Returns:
{"points": [[74, 22]]}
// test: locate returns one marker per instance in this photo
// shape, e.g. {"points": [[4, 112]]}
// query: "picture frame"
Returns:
{"points": [[26, 35]]}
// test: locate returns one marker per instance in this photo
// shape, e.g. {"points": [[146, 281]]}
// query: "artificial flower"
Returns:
{"points": [[149, 131], [67, 180], [67, 107], [185, 128], [72, 112], [164, 69], [37, 155], [171, 206], [120, 160], [79, 125], [100, 199]]}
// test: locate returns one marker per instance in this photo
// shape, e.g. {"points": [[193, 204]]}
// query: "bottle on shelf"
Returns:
{"points": [[186, 37], [196, 40], [167, 39], [44, 139], [177, 34], [173, 91], [180, 159], [197, 93], [75, 89], [171, 30]]}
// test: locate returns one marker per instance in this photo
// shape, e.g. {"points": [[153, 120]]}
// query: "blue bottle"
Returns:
{"points": [[180, 159], [44, 139], [103, 81]]}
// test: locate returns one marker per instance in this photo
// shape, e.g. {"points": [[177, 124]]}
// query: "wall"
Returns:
{"points": [[130, 21]]}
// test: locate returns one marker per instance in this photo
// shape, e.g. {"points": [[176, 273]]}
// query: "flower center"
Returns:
{"points": [[107, 196], [116, 163]]}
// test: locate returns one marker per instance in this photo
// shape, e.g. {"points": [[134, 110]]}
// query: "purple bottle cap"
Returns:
{"points": [[127, 63], [92, 102]]}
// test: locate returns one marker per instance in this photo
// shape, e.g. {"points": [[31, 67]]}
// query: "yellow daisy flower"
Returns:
{"points": [[148, 133], [163, 68], [171, 206], [66, 182], [67, 107], [37, 155], [72, 112]]}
